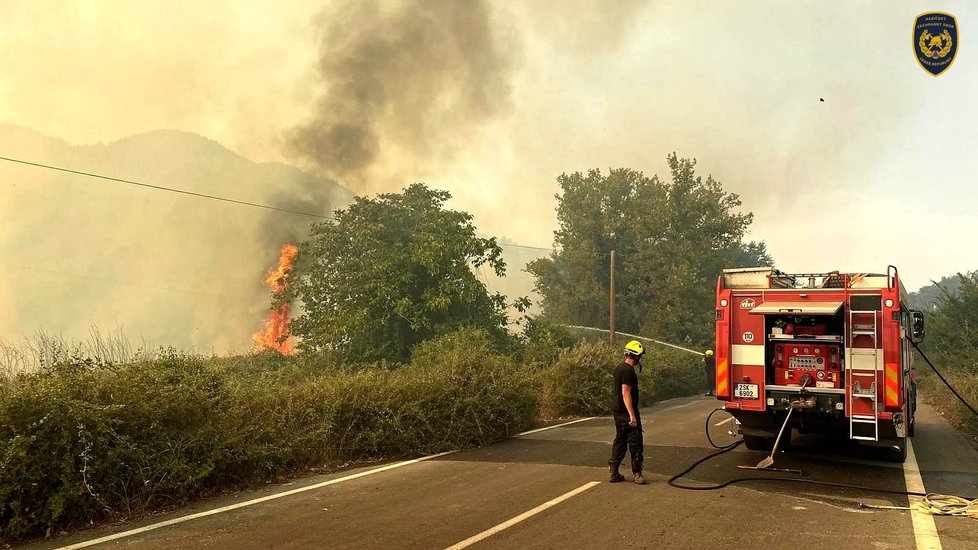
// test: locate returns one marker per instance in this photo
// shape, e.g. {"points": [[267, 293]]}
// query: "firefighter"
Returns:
{"points": [[710, 368], [628, 423]]}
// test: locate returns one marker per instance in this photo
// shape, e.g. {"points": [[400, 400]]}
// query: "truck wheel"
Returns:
{"points": [[893, 455], [912, 421], [758, 442]]}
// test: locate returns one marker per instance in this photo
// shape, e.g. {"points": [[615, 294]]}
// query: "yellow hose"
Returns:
{"points": [[937, 504]]}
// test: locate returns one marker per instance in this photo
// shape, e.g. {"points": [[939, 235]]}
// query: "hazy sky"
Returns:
{"points": [[493, 100]]}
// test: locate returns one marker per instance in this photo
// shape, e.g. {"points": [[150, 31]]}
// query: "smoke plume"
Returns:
{"points": [[402, 85]]}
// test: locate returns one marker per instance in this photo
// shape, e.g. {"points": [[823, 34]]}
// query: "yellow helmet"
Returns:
{"points": [[709, 352], [635, 348]]}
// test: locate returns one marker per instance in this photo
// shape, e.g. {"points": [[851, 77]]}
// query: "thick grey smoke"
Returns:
{"points": [[400, 81]]}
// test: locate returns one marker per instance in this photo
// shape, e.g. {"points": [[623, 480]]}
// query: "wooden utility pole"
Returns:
{"points": [[612, 298]]}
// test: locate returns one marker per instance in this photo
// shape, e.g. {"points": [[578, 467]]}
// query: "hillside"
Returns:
{"points": [[927, 298], [168, 269]]}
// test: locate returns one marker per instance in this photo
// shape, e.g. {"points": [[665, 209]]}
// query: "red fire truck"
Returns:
{"points": [[834, 347]]}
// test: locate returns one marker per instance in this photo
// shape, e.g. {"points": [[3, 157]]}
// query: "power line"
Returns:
{"points": [[215, 197], [162, 188]]}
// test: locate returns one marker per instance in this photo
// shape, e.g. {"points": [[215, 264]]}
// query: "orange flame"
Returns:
{"points": [[277, 325]]}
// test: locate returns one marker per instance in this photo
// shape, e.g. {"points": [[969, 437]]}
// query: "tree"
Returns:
{"points": [[596, 214], [952, 329], [671, 241], [391, 272]]}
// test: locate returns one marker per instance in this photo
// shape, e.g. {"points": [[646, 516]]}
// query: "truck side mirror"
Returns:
{"points": [[916, 326]]}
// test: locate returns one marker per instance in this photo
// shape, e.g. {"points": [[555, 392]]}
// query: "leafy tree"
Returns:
{"points": [[750, 254], [596, 214], [671, 241], [952, 330], [391, 272]]}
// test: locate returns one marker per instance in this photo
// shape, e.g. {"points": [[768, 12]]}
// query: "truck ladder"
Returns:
{"points": [[860, 378]]}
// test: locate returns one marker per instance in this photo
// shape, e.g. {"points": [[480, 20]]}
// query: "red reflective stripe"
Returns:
{"points": [[723, 379], [892, 385]]}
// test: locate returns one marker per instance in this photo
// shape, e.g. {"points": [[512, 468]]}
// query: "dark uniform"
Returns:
{"points": [[710, 368], [626, 436]]}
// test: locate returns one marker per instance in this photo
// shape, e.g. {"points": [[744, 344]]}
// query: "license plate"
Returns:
{"points": [[745, 391]]}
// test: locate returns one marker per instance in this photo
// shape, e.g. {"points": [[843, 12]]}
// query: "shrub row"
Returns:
{"points": [[81, 443]]}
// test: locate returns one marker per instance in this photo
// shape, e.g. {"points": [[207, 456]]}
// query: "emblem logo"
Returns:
{"points": [[935, 41], [748, 337], [748, 303]]}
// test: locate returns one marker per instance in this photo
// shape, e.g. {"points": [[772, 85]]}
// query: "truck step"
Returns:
{"points": [[863, 351], [863, 418], [864, 438]]}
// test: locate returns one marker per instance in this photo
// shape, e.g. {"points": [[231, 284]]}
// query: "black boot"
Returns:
{"points": [[615, 475], [638, 478]]}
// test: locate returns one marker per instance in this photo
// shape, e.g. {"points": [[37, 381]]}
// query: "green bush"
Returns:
{"points": [[83, 442], [579, 382], [674, 373], [543, 341], [489, 395], [79, 443]]}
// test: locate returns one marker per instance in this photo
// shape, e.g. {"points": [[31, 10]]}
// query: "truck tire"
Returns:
{"points": [[758, 442], [893, 455], [912, 421]]}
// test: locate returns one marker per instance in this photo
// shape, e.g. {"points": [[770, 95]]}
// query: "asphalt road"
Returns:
{"points": [[549, 489]]}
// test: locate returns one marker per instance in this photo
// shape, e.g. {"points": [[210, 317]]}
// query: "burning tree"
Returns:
{"points": [[275, 335]]}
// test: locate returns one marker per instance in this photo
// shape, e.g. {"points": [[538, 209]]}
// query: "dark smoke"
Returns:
{"points": [[411, 79]]}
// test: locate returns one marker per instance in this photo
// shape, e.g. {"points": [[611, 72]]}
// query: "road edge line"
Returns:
{"points": [[924, 529], [230, 507]]}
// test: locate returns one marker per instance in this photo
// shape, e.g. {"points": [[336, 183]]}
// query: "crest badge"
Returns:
{"points": [[935, 41]]}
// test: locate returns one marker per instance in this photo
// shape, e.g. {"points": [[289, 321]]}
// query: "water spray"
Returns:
{"points": [[636, 336]]}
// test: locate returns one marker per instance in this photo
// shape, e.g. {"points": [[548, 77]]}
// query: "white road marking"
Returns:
{"points": [[924, 529], [556, 426], [183, 519], [509, 523], [677, 407]]}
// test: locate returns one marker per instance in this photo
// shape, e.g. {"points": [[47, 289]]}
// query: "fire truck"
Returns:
{"points": [[817, 352]]}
